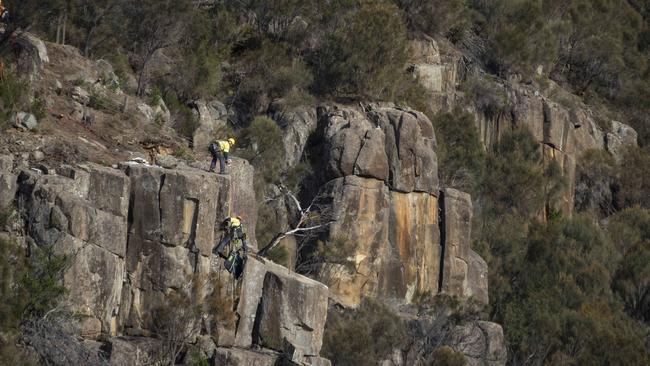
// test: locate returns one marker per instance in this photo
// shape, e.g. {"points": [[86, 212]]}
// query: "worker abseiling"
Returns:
{"points": [[233, 233], [220, 150]]}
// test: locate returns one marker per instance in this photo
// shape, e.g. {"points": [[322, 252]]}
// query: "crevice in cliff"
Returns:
{"points": [[160, 213], [443, 237]]}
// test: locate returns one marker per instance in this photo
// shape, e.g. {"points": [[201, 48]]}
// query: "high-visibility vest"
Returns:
{"points": [[224, 146]]}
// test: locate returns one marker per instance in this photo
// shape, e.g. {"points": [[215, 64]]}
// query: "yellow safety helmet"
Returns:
{"points": [[231, 141]]}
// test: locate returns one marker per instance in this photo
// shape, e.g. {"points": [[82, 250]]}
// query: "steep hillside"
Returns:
{"points": [[423, 183]]}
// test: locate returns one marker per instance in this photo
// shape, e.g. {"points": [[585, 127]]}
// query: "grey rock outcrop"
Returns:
{"points": [[212, 117], [32, 55], [138, 235], [464, 272], [621, 137], [297, 125], [25, 121], [91, 228], [278, 307], [391, 144]]}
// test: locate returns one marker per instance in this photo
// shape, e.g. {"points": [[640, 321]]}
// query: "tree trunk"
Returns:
{"points": [[88, 40], [141, 78], [65, 22], [58, 28]]}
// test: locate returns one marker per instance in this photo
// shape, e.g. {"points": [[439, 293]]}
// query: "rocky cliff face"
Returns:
{"points": [[565, 130], [140, 235]]}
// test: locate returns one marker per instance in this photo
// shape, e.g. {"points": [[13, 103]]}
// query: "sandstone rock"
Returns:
{"points": [[557, 126], [481, 342], [172, 234], [297, 125], [528, 111], [95, 240], [410, 147], [109, 189], [346, 131], [277, 305], [212, 117], [242, 357], [477, 279], [457, 209], [396, 236], [386, 143], [25, 121], [242, 201]]}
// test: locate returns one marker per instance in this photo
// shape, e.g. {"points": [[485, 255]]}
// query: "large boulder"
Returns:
{"points": [[395, 236], [24, 120], [388, 143], [278, 308], [95, 239], [32, 55], [297, 124]]}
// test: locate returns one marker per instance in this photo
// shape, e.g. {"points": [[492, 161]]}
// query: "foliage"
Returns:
{"points": [[635, 178], [261, 144], [513, 178], [596, 178], [175, 320], [365, 53], [29, 288], [12, 96], [446, 356], [361, 337], [99, 102], [279, 255], [42, 281], [460, 153]]}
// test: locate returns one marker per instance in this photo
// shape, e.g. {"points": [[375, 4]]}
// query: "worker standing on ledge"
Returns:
{"points": [[220, 150]]}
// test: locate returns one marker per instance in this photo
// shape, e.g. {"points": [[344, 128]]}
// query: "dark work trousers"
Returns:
{"points": [[218, 155], [235, 233]]}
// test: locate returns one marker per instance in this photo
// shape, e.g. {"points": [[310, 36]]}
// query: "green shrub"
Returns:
{"points": [[446, 356], [261, 144], [365, 55], [13, 97], [279, 255], [635, 178], [99, 102], [361, 337], [460, 152]]}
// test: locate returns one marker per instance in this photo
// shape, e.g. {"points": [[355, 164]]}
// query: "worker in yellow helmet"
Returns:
{"points": [[220, 150], [233, 233]]}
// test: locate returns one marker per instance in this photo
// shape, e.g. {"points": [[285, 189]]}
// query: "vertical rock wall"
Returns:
{"points": [[381, 166]]}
